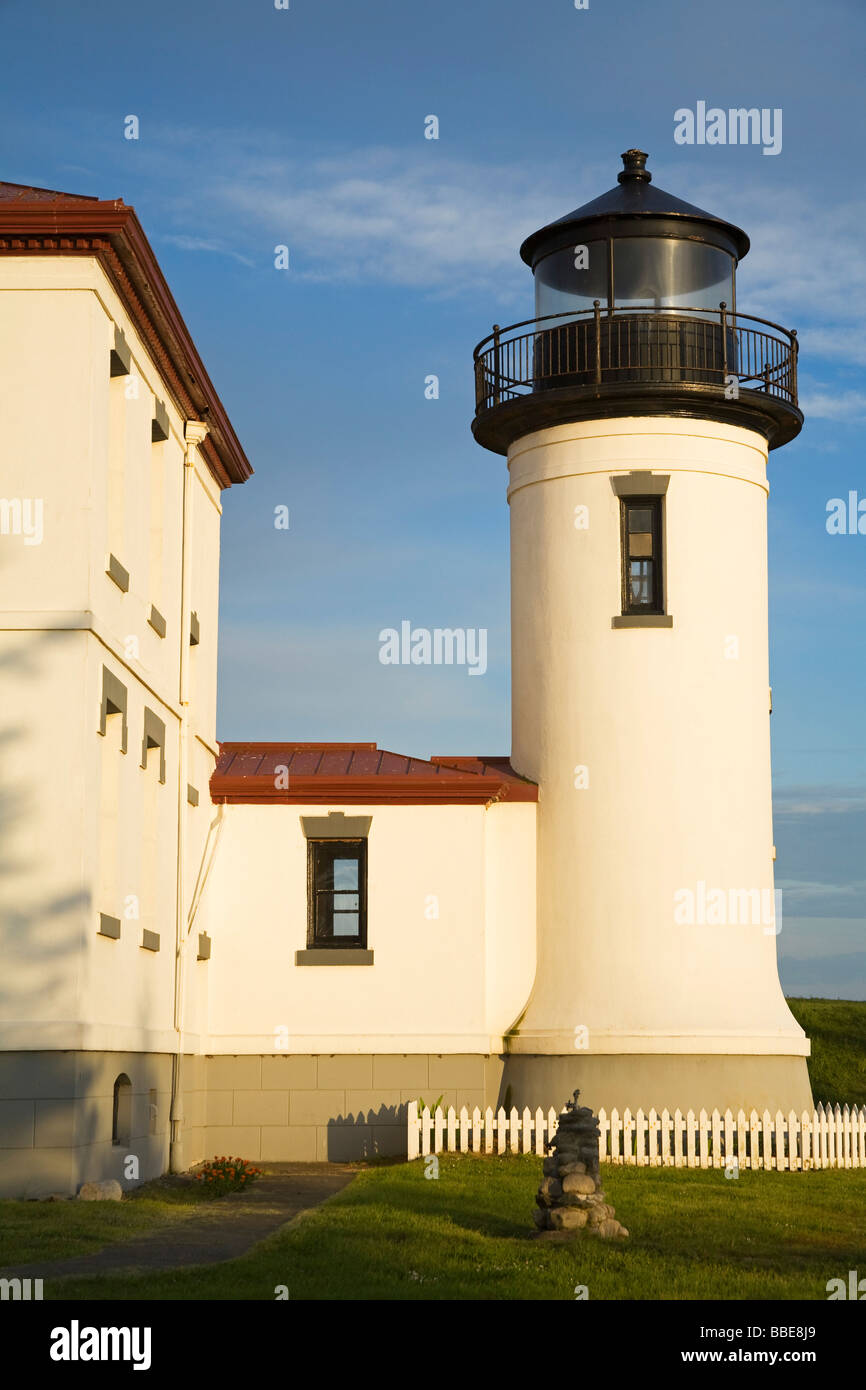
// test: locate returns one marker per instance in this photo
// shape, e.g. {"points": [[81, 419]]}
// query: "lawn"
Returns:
{"points": [[394, 1234], [837, 1029], [32, 1231]]}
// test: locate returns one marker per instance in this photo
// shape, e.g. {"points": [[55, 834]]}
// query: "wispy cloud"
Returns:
{"points": [[822, 403], [196, 243], [819, 801], [390, 216]]}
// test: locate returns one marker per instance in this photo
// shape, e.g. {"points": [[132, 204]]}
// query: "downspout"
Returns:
{"points": [[194, 434]]}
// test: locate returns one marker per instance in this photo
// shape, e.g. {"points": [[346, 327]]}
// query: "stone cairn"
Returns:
{"points": [[570, 1197]]}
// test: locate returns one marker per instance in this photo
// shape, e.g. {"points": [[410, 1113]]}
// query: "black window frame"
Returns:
{"points": [[655, 504], [318, 939]]}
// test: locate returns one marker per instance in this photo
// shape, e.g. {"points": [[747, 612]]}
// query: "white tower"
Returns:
{"points": [[636, 411]]}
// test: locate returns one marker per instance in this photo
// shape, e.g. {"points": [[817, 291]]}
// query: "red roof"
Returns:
{"points": [[359, 774], [43, 221], [27, 193]]}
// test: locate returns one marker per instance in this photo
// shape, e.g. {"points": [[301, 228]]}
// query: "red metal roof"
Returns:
{"points": [[359, 774], [28, 193]]}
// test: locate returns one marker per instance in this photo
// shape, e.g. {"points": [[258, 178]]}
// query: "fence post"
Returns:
{"points": [[596, 304], [723, 314], [496, 364], [438, 1129], [795, 343], [412, 1131]]}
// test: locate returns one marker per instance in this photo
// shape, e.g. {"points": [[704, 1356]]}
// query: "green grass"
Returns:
{"points": [[837, 1029], [392, 1234], [31, 1231]]}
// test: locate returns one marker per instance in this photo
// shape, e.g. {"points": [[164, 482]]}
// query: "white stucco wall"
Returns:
{"points": [[674, 734], [87, 830], [451, 982]]}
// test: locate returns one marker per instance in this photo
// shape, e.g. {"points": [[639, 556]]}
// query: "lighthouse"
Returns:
{"points": [[636, 410]]}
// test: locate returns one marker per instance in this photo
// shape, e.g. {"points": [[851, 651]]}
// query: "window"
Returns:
{"points": [[337, 893], [121, 1120], [642, 555]]}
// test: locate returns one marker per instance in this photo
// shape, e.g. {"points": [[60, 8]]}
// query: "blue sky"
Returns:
{"points": [[305, 127]]}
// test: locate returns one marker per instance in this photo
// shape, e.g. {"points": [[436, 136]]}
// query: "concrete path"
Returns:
{"points": [[219, 1230]]}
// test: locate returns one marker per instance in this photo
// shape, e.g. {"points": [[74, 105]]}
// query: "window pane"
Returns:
{"points": [[640, 518], [563, 287], [640, 581], [640, 544], [668, 271], [346, 902], [345, 873], [345, 924]]}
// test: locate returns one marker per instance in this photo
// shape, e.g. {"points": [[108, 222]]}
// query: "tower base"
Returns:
{"points": [[661, 1081]]}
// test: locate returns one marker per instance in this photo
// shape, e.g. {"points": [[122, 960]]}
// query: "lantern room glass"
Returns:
{"points": [[668, 273], [567, 281], [652, 272]]}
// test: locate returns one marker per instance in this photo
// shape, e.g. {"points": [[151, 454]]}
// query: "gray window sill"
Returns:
{"points": [[643, 620], [328, 956]]}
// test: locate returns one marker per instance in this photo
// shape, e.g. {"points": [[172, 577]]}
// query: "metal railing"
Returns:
{"points": [[642, 344]]}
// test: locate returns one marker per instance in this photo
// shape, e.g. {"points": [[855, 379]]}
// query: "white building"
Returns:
{"points": [[166, 904]]}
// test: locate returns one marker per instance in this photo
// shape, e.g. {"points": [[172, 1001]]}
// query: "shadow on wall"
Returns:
{"points": [[368, 1134], [56, 1107]]}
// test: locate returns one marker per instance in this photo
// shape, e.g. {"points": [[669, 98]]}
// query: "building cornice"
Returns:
{"points": [[111, 233]]}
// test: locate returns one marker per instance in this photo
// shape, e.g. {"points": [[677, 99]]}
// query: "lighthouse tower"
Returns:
{"points": [[636, 411]]}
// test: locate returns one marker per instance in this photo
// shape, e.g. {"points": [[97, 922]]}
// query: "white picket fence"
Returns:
{"points": [[824, 1138]]}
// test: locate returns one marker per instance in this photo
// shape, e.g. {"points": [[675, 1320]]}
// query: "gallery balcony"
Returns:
{"points": [[640, 360]]}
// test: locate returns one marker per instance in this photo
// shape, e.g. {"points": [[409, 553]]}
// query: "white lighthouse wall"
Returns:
{"points": [[651, 747]]}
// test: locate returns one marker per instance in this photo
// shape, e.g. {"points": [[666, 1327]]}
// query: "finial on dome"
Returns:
{"points": [[634, 171]]}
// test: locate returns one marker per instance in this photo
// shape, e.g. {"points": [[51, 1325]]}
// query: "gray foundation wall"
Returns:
{"points": [[660, 1081], [56, 1111], [56, 1107], [333, 1108]]}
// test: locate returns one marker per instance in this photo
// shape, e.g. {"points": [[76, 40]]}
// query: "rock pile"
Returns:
{"points": [[570, 1197]]}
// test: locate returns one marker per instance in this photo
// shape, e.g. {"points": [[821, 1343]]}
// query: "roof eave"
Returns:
{"points": [[372, 790], [145, 293]]}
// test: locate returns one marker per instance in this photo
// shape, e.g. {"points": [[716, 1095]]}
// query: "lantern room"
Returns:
{"points": [[635, 246], [636, 314]]}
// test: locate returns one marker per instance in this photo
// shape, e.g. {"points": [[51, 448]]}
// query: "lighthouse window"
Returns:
{"points": [[666, 272], [337, 898], [570, 280], [641, 545]]}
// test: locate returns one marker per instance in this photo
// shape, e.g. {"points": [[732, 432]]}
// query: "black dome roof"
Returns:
{"points": [[635, 197]]}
